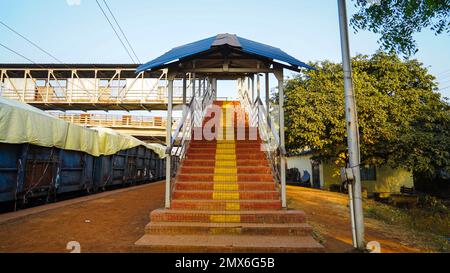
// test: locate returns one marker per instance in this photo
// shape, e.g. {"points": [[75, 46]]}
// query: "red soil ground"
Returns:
{"points": [[112, 222]]}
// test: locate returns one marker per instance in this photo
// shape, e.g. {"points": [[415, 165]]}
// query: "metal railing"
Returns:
{"points": [[259, 117], [193, 115], [115, 121], [51, 87]]}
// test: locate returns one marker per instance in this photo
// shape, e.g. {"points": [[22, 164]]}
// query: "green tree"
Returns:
{"points": [[403, 120], [397, 21]]}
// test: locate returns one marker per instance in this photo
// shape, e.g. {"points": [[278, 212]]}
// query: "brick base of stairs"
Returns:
{"points": [[228, 244], [225, 199]]}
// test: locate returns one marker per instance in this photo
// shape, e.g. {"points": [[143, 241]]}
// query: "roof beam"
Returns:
{"points": [[230, 70]]}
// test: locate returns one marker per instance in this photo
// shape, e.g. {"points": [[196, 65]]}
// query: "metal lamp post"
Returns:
{"points": [[356, 209]]}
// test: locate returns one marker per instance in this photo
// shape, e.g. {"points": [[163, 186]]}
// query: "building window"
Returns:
{"points": [[368, 173]]}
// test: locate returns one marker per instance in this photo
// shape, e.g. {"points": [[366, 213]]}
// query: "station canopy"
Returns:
{"points": [[224, 54]]}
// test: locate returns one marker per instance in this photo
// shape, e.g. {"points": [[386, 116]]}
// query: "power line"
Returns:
{"points": [[31, 42], [121, 30], [115, 31], [444, 72], [17, 53]]}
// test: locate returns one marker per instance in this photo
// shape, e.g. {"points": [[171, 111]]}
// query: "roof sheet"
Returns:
{"points": [[243, 44]]}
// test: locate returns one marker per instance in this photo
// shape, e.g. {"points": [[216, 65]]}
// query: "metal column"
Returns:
{"points": [[268, 99], [253, 88], [169, 141], [352, 131], [280, 78], [184, 90], [258, 86]]}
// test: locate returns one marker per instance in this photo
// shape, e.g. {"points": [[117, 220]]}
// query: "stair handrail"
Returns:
{"points": [[273, 149], [259, 116], [196, 110]]}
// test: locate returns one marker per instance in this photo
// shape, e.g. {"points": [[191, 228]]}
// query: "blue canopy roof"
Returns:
{"points": [[245, 45]]}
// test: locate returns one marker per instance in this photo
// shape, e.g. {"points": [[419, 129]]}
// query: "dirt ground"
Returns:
{"points": [[112, 223], [107, 224], [328, 213]]}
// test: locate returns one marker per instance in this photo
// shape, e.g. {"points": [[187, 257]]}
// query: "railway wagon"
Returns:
{"points": [[132, 166], [42, 157], [29, 171]]}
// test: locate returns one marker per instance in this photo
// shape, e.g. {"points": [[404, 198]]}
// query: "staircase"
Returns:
{"points": [[225, 199]]}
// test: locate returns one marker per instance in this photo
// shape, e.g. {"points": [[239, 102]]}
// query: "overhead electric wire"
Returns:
{"points": [[121, 30], [31, 42], [115, 31], [17, 53], [442, 73]]}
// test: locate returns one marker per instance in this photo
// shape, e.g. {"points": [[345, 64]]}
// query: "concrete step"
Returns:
{"points": [[219, 150], [219, 205], [226, 195], [228, 244], [211, 186], [225, 170], [237, 146], [212, 163], [237, 142], [201, 216], [176, 228], [225, 178], [213, 156]]}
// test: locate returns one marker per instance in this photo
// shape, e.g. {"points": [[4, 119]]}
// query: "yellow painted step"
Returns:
{"points": [[226, 164], [221, 146], [233, 206], [226, 196], [226, 142], [225, 218], [225, 178], [220, 157], [226, 187], [230, 170], [226, 151]]}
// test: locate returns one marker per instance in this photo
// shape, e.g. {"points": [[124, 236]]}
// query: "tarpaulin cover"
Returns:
{"points": [[231, 40], [21, 123]]}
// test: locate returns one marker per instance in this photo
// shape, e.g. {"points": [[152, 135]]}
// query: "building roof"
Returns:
{"points": [[66, 66], [224, 40]]}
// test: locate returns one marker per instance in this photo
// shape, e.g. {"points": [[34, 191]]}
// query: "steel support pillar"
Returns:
{"points": [[280, 78], [171, 78]]}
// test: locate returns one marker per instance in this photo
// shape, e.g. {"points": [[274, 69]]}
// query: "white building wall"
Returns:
{"points": [[303, 163]]}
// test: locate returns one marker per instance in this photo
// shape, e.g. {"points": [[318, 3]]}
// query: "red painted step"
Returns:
{"points": [[210, 178], [210, 156], [267, 216], [212, 163], [271, 186], [210, 150], [211, 170], [176, 228], [213, 145], [243, 195], [218, 205]]}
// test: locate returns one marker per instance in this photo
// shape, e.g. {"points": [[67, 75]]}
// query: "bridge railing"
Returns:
{"points": [[115, 121], [66, 86]]}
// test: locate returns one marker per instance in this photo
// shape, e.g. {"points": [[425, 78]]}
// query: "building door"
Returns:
{"points": [[315, 174]]}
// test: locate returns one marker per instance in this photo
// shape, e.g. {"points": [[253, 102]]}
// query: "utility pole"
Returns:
{"points": [[356, 209]]}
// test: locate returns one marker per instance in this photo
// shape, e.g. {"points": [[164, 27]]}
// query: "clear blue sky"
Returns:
{"points": [[305, 29]]}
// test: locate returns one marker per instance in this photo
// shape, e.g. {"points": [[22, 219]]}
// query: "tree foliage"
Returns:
{"points": [[397, 21], [402, 120]]}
